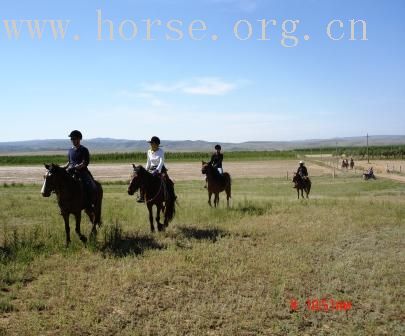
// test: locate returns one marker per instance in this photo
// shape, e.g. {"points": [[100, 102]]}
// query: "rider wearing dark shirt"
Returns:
{"points": [[302, 170], [79, 159], [217, 158], [77, 156]]}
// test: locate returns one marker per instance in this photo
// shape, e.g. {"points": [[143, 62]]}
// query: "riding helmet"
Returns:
{"points": [[155, 140], [301, 162], [76, 134], [218, 147]]}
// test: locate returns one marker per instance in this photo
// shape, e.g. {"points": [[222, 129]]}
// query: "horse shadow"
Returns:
{"points": [[203, 234], [130, 245], [251, 209]]}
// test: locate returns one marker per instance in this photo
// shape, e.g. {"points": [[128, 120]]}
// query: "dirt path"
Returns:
{"points": [[381, 168], [178, 171]]}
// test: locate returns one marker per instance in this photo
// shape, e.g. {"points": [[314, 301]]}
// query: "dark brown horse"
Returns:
{"points": [[345, 164], [216, 183], [157, 192], [71, 198], [302, 184]]}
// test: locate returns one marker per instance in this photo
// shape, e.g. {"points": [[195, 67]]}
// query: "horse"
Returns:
{"points": [[345, 164], [216, 183], [302, 185], [71, 198], [156, 193]]}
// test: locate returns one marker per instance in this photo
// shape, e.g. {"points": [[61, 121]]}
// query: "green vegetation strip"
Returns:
{"points": [[140, 157]]}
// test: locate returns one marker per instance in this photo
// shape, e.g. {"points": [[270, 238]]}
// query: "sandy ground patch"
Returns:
{"points": [[178, 171]]}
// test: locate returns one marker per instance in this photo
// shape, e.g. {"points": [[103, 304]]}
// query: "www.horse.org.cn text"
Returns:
{"points": [[287, 32]]}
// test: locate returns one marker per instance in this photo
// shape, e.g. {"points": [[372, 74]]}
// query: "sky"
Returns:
{"points": [[230, 78]]}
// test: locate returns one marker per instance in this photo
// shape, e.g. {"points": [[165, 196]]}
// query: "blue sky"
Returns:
{"points": [[223, 90]]}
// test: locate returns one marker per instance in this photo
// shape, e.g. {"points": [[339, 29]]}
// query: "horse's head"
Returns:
{"points": [[204, 167], [136, 179], [50, 179], [296, 179]]}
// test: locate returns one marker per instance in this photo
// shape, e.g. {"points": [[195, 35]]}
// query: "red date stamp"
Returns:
{"points": [[324, 305]]}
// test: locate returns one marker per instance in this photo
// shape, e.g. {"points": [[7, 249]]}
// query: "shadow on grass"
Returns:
{"points": [[203, 234], [251, 209], [5, 252], [118, 245]]}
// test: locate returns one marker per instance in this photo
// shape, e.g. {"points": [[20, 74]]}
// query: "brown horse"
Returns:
{"points": [[345, 164], [157, 192], [302, 184], [71, 198], [216, 183]]}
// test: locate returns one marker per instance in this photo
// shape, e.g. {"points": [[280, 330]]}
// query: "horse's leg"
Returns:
{"points": [[298, 193], [78, 217], [159, 208], [216, 199], [67, 228], [92, 218], [209, 198], [152, 228]]}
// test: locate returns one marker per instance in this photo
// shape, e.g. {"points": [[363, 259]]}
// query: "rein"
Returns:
{"points": [[157, 194]]}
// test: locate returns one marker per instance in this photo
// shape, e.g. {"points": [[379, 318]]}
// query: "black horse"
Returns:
{"points": [[302, 184], [216, 183], [157, 192], [71, 198]]}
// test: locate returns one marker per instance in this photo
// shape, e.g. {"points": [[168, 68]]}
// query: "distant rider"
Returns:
{"points": [[217, 158], [216, 161], [302, 170]]}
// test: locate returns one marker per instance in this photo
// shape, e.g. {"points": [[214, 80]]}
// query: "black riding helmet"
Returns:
{"points": [[76, 134], [155, 140], [217, 147]]}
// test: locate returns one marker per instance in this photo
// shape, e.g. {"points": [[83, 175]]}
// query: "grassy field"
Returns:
{"points": [[215, 271]]}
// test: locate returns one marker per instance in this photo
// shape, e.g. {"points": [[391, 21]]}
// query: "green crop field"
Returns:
{"points": [[141, 156], [214, 271]]}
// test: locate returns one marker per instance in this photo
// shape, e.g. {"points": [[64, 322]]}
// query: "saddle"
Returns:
{"points": [[89, 197]]}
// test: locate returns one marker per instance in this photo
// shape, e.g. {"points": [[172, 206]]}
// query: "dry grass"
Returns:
{"points": [[214, 272]]}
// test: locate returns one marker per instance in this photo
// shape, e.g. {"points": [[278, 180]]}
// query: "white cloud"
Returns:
{"points": [[150, 98], [210, 86]]}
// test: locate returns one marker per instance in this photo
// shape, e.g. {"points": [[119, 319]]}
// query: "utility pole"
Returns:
{"points": [[337, 161], [368, 158]]}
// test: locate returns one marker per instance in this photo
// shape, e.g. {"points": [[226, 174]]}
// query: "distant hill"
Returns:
{"points": [[107, 145]]}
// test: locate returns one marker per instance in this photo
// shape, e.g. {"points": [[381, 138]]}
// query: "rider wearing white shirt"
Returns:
{"points": [[155, 160], [155, 164]]}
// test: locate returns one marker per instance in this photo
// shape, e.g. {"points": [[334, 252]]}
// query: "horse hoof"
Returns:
{"points": [[83, 239]]}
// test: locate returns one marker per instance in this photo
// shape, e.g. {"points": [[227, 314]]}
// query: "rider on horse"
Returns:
{"points": [[217, 158], [155, 165], [79, 159], [216, 161], [302, 170]]}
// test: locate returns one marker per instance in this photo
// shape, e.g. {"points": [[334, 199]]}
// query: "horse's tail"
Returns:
{"points": [[228, 185], [98, 204], [309, 184], [170, 208]]}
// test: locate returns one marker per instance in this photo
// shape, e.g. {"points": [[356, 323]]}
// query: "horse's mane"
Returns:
{"points": [[140, 169]]}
